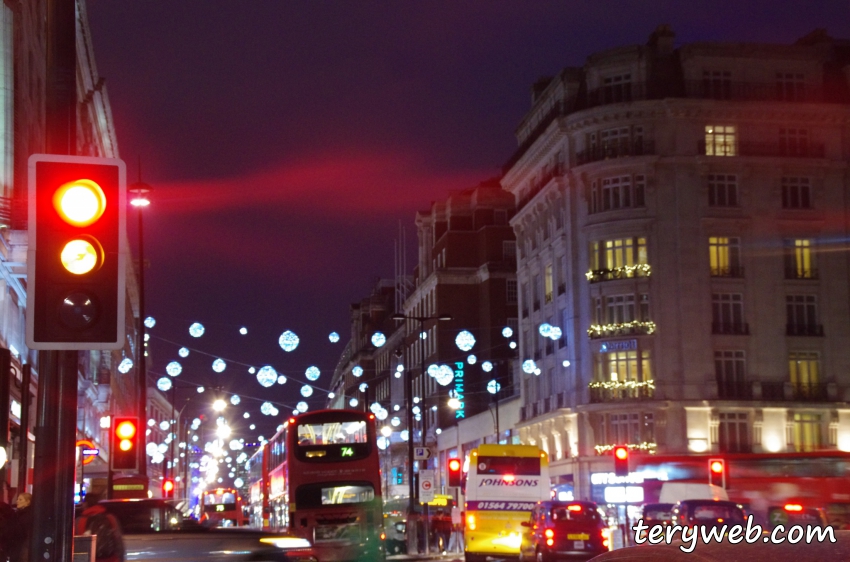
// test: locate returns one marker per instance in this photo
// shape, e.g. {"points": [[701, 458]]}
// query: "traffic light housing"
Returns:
{"points": [[167, 488], [76, 257], [717, 472], [453, 468], [621, 461], [399, 476], [124, 451]]}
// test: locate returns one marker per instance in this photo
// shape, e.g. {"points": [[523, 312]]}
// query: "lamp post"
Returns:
{"points": [[409, 403], [140, 200]]}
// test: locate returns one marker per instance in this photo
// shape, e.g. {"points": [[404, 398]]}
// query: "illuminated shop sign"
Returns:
{"points": [[460, 412], [623, 345]]}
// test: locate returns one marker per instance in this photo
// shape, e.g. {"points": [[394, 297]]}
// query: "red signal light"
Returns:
{"points": [[168, 488], [717, 472], [621, 461], [574, 507], [124, 454], [621, 453], [454, 472]]}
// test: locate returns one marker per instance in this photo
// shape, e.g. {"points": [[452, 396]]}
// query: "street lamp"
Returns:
{"points": [[140, 200], [411, 532]]}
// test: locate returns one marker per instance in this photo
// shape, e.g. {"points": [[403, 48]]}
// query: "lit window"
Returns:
{"points": [[720, 140]]}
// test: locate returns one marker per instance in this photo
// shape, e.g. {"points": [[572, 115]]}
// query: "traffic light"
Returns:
{"points": [[76, 252], [168, 488], [453, 467], [621, 461], [125, 444], [399, 476], [717, 472]]}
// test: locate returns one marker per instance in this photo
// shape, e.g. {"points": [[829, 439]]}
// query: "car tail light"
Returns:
{"points": [[604, 534], [470, 522], [793, 507], [550, 537], [383, 536]]}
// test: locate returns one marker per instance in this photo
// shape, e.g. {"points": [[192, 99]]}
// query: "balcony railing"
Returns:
{"points": [[753, 91], [801, 273], [733, 328], [734, 271], [750, 148], [633, 328], [638, 147], [619, 391], [788, 392], [625, 272], [727, 390], [804, 329]]}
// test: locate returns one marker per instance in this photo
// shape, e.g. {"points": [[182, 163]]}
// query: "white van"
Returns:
{"points": [[672, 492]]}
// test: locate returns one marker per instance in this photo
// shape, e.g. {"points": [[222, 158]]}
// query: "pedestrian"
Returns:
{"points": [[21, 530], [95, 520]]}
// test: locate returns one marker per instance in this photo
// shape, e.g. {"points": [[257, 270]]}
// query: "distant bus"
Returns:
{"points": [[222, 507], [319, 478], [503, 484]]}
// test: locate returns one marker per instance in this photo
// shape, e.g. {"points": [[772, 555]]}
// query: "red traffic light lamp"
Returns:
{"points": [[454, 470], [76, 258], [621, 460], [168, 488], [125, 444], [717, 472]]}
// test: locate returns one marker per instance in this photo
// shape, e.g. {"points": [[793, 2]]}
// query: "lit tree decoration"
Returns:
{"points": [[399, 368], [383, 442], [267, 376], [281, 379], [219, 365], [163, 425], [471, 359], [246, 415], [301, 407], [235, 400], [486, 366], [288, 341], [445, 376], [378, 339], [566, 363], [363, 387], [405, 435], [174, 368], [333, 337], [374, 407], [353, 402], [252, 427], [147, 337], [196, 330], [252, 370], [555, 333], [512, 345], [266, 408], [382, 414], [196, 423], [125, 365], [164, 384], [433, 370], [306, 391], [183, 352], [537, 372], [331, 395], [235, 445], [151, 449], [150, 322], [465, 340], [357, 371], [395, 421], [243, 330], [312, 373], [507, 332], [200, 390], [238, 482], [162, 448], [529, 366], [493, 387]]}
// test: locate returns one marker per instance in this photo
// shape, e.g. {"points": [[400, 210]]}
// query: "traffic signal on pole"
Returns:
{"points": [[453, 467], [399, 476], [76, 260], [168, 488], [621, 461], [125, 444], [717, 472]]}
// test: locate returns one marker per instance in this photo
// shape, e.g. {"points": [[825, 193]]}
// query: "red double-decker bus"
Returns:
{"points": [[222, 507], [319, 478]]}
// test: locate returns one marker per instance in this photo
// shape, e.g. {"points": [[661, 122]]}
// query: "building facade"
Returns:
{"points": [[682, 218]]}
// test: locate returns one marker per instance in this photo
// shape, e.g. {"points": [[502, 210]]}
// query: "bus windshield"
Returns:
{"points": [[332, 433], [336, 493], [219, 501], [518, 466]]}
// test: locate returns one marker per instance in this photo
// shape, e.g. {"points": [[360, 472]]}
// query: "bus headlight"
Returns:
{"points": [[287, 542]]}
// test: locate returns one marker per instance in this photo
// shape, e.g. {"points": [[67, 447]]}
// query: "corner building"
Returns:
{"points": [[682, 216]]}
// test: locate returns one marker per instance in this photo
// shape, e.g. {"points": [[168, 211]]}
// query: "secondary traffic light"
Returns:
{"points": [[76, 252], [621, 461], [168, 488], [717, 472], [399, 476], [453, 467], [125, 444]]}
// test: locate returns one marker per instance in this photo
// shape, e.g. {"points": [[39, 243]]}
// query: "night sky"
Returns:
{"points": [[285, 140]]}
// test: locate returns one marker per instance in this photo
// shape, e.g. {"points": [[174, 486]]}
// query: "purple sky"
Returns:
{"points": [[285, 141]]}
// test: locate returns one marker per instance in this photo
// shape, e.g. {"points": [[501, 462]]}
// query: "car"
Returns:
{"points": [[564, 530], [657, 514], [154, 529], [796, 514], [707, 513]]}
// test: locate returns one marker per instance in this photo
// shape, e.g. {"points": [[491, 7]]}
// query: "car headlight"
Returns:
{"points": [[293, 543]]}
